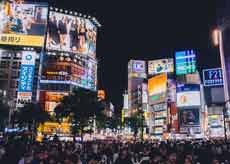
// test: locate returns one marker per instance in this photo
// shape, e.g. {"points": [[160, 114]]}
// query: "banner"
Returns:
{"points": [[25, 84]]}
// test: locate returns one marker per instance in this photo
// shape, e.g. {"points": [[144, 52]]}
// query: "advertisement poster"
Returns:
{"points": [[185, 62], [189, 117], [157, 87], [188, 95], [160, 66], [71, 34], [25, 84], [23, 23]]}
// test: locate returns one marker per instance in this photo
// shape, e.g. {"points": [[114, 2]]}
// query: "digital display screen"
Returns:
{"points": [[71, 34], [70, 69], [185, 62], [189, 117], [157, 87], [213, 77], [22, 23]]}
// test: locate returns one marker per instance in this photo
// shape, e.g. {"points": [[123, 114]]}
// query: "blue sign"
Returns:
{"points": [[213, 77], [185, 62], [187, 87], [26, 78]]}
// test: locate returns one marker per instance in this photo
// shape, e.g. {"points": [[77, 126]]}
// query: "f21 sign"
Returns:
{"points": [[213, 77]]}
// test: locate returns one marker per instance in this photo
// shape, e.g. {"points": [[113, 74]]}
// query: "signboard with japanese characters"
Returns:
{"points": [[25, 84]]}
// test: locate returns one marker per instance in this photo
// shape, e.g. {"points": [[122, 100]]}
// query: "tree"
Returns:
{"points": [[135, 122], [81, 107], [31, 115], [4, 113]]}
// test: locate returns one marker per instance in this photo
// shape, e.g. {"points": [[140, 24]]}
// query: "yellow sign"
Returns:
{"points": [[21, 40], [157, 87]]}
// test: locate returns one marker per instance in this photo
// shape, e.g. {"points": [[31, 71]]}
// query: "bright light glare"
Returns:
{"points": [[215, 37]]}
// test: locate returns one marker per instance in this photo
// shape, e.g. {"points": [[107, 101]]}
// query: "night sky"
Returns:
{"points": [[146, 30]]}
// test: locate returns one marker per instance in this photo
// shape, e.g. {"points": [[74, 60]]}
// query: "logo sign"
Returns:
{"points": [[25, 84], [138, 66], [212, 77], [185, 62]]}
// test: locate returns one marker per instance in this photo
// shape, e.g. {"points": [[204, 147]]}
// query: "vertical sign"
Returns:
{"points": [[25, 84], [185, 62]]}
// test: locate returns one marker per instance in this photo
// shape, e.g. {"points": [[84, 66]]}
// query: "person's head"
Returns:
{"points": [[215, 161], [124, 153], [51, 160], [53, 18], [172, 157], [187, 161]]}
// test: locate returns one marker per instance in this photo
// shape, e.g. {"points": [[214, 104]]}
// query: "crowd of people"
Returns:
{"points": [[21, 151]]}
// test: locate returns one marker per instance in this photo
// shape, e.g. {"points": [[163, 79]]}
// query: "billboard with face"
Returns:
{"points": [[71, 34], [22, 23], [189, 117], [160, 66], [157, 87]]}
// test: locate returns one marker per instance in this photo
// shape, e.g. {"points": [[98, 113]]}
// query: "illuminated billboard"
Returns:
{"points": [[69, 69], [101, 94], [188, 95], [189, 117], [212, 77], [185, 62], [25, 84], [157, 87], [160, 66], [71, 34], [23, 23]]}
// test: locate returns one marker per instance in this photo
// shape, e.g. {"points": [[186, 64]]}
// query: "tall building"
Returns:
{"points": [[69, 61], [12, 76], [21, 48], [136, 76]]}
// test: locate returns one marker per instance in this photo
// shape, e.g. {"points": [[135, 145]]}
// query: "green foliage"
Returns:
{"points": [[32, 114], [135, 122], [80, 107]]}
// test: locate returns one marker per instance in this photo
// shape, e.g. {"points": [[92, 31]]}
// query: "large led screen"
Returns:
{"points": [[213, 77], [189, 117], [69, 69], [71, 34], [185, 62], [188, 95], [160, 66], [157, 87], [22, 23]]}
